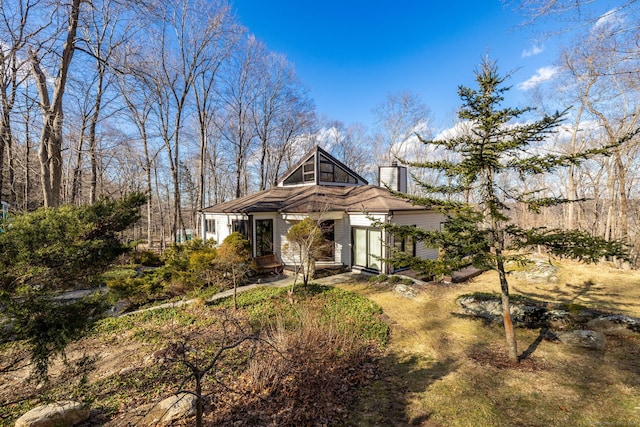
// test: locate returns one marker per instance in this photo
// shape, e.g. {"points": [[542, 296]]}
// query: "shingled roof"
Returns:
{"points": [[314, 198]]}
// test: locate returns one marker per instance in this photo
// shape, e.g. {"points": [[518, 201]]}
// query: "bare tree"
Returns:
{"points": [[218, 50], [15, 18], [238, 94], [280, 106], [608, 89], [398, 118], [294, 120], [184, 30], [51, 105], [104, 34], [351, 145]]}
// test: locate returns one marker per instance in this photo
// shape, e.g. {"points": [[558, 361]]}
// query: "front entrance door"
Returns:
{"points": [[264, 237]]}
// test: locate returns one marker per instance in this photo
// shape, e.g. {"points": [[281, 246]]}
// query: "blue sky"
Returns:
{"points": [[352, 53]]}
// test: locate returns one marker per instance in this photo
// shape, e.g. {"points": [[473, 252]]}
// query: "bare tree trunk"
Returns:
{"points": [[509, 330], [621, 172], [611, 186], [77, 169], [93, 189], [50, 151]]}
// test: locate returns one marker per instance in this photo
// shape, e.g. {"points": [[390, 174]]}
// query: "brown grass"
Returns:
{"points": [[305, 376], [446, 370]]}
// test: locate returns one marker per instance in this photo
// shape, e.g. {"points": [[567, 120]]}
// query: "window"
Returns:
{"points": [[330, 172], [305, 173], [294, 178], [240, 226], [328, 251], [264, 237], [210, 225], [405, 244], [308, 170]]}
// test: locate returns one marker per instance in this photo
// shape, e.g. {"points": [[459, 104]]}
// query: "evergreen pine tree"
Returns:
{"points": [[476, 196]]}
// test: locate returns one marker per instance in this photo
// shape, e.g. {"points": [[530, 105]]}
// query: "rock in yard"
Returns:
{"points": [[558, 319], [487, 309], [541, 272], [583, 338], [172, 408], [66, 413], [406, 291], [616, 324]]}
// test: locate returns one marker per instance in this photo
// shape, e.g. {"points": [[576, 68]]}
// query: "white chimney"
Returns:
{"points": [[394, 177]]}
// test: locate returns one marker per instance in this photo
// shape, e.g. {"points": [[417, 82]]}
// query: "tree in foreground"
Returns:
{"points": [[58, 249], [234, 257], [491, 160], [305, 244]]}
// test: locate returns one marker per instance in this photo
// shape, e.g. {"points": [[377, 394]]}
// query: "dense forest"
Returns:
{"points": [[178, 100]]}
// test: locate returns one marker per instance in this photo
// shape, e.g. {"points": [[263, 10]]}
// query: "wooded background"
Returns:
{"points": [[176, 98]]}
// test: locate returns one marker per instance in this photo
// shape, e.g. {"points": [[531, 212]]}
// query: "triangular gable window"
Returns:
{"points": [[331, 172], [321, 168], [304, 174]]}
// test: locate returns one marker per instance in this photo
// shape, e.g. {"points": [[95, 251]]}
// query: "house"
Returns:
{"points": [[324, 188]]}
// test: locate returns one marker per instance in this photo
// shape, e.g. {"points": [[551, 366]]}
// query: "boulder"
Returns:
{"points": [[172, 408], [615, 324], [486, 308], [491, 309], [406, 291], [583, 338], [558, 319], [66, 413], [541, 272]]}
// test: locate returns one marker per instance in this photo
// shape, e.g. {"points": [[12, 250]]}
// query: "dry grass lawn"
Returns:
{"points": [[448, 370]]}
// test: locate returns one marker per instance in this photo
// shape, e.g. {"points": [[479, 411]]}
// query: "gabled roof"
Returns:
{"points": [[313, 153], [316, 198]]}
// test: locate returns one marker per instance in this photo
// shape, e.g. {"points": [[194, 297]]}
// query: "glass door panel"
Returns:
{"points": [[360, 247], [375, 249]]}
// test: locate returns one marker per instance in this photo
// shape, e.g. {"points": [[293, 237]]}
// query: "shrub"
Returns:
{"points": [[313, 361], [393, 279], [150, 259], [140, 289]]}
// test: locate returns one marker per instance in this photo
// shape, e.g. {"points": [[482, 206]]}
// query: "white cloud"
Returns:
{"points": [[534, 50], [458, 129], [542, 75], [609, 20]]}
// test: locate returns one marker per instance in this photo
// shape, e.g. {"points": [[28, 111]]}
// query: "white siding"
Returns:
{"points": [[362, 220], [424, 220], [223, 225], [283, 229]]}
